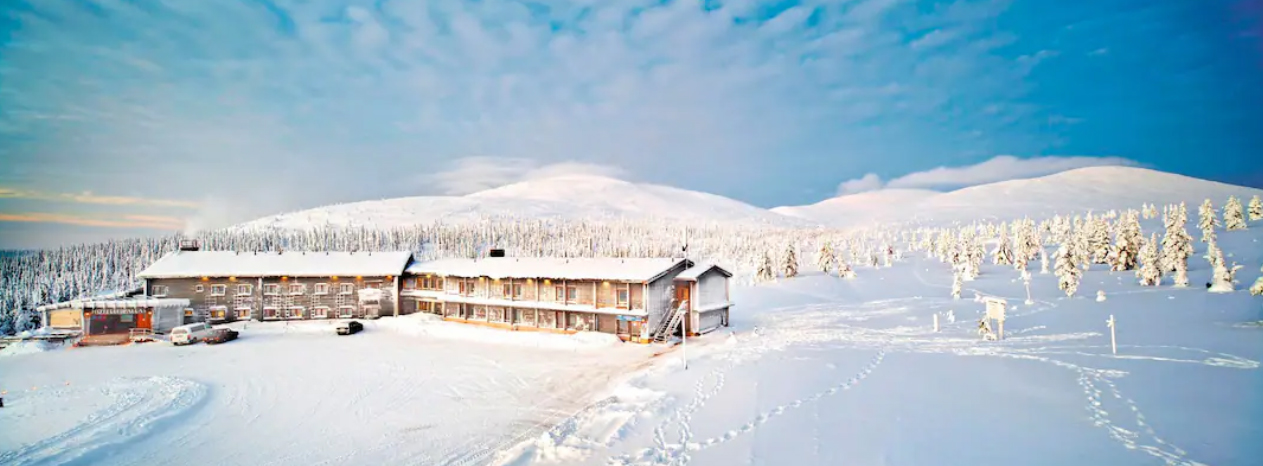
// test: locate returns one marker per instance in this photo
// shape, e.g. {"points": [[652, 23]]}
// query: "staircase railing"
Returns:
{"points": [[671, 322]]}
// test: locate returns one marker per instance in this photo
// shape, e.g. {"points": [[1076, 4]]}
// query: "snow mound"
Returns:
{"points": [[563, 197], [68, 423], [29, 347]]}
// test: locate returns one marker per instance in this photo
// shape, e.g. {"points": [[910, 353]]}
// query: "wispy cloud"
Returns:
{"points": [[473, 174], [121, 221], [90, 198], [999, 168], [258, 104]]}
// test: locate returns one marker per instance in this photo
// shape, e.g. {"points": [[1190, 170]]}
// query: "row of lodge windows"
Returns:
{"points": [[296, 312], [271, 289], [522, 316], [561, 293]]}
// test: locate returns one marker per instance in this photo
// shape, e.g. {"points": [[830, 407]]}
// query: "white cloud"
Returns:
{"points": [[999, 168], [473, 174], [869, 182]]}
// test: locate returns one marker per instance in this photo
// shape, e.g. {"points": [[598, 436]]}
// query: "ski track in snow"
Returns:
{"points": [[830, 326], [139, 407]]}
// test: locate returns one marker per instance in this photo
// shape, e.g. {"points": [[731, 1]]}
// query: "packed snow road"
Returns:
{"points": [[824, 371], [282, 397]]}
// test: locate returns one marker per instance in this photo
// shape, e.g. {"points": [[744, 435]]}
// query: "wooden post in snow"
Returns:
{"points": [[935, 322], [1113, 340]]}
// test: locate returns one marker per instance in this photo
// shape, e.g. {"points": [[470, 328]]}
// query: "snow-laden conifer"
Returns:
{"points": [[1067, 272], [1150, 274], [1256, 209], [766, 271], [1222, 276], [790, 267], [957, 278], [1257, 288], [825, 258], [1234, 214], [1207, 221], [1127, 242]]}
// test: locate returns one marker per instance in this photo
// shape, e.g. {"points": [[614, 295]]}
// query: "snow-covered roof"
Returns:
{"points": [[189, 264], [132, 304], [615, 269], [696, 271]]}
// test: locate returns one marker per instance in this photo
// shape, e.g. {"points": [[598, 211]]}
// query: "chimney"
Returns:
{"points": [[190, 245]]}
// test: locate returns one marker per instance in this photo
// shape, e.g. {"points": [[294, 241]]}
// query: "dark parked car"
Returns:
{"points": [[348, 327], [220, 335]]}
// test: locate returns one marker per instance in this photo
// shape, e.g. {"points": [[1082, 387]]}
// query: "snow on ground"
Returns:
{"points": [[403, 391], [823, 371]]}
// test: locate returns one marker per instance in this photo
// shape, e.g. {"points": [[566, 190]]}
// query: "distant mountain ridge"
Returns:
{"points": [[596, 197], [1072, 191]]}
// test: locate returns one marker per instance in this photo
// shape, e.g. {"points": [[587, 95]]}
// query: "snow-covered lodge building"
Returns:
{"points": [[232, 285], [629, 297], [637, 299]]}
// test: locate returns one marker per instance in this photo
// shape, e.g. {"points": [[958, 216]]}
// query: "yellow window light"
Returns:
{"points": [[205, 278], [284, 278], [547, 281], [334, 278], [232, 279], [357, 277]]}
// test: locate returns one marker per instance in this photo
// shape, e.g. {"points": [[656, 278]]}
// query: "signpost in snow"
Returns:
{"points": [[1026, 278], [935, 322], [1113, 341], [995, 311]]}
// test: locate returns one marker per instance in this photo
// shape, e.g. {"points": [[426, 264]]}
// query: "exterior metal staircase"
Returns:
{"points": [[671, 322]]}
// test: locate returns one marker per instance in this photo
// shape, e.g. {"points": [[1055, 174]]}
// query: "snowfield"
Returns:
{"points": [[299, 394]]}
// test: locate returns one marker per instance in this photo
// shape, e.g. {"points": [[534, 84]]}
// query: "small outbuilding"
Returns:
{"points": [[115, 318]]}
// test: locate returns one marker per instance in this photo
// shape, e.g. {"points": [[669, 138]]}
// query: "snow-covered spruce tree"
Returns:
{"points": [[1043, 261], [1099, 241], [1003, 252], [825, 258], [790, 268], [1256, 209], [1181, 274], [1067, 272], [957, 278], [1150, 274], [1127, 242], [1234, 214], [766, 271], [1206, 221], [1081, 246], [1222, 278]]}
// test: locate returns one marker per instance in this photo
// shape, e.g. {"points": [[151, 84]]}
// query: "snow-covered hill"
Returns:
{"points": [[562, 197], [1072, 191]]}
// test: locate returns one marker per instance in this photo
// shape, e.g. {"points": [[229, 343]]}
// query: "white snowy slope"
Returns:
{"points": [[853, 209], [1073, 191], [561, 197], [819, 370]]}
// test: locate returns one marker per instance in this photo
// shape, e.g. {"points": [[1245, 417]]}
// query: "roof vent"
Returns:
{"points": [[497, 253], [190, 245]]}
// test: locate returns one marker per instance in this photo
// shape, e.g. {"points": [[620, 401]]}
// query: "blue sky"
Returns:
{"points": [[131, 117]]}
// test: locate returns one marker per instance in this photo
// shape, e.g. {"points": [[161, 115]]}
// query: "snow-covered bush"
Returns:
{"points": [[956, 283], [1256, 209], [1223, 279], [845, 270], [790, 268], [1257, 288], [1100, 296]]}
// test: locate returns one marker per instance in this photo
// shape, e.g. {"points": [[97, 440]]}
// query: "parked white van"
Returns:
{"points": [[190, 333]]}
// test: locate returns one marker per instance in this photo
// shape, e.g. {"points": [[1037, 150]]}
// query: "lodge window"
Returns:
{"points": [[546, 319], [243, 313], [271, 289], [572, 293], [559, 293], [244, 290], [621, 298], [320, 313], [297, 288], [159, 290], [346, 288], [526, 317], [346, 312], [199, 288], [467, 288], [480, 312], [322, 288], [430, 283], [295, 313], [269, 313], [218, 313], [219, 290], [496, 314], [513, 290], [188, 312]]}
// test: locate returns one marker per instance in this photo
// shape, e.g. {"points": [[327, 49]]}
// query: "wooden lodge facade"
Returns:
{"points": [[629, 297], [638, 299], [224, 286]]}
